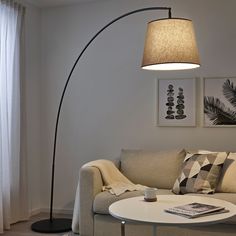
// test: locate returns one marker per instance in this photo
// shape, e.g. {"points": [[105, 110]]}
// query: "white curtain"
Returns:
{"points": [[13, 186]]}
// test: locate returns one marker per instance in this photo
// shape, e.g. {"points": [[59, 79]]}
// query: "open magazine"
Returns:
{"points": [[195, 209]]}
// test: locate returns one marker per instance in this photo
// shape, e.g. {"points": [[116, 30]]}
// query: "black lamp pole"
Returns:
{"points": [[56, 225]]}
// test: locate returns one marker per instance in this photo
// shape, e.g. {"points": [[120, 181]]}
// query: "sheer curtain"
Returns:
{"points": [[13, 187]]}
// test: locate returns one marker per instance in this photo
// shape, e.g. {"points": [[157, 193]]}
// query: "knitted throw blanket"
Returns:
{"points": [[114, 181]]}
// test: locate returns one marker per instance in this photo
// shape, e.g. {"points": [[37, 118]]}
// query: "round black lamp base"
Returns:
{"points": [[57, 225]]}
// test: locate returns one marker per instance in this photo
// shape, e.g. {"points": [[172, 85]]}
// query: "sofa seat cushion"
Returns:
{"points": [[229, 197], [157, 169], [104, 199]]}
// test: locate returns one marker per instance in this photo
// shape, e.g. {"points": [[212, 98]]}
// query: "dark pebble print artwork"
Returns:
{"points": [[175, 111]]}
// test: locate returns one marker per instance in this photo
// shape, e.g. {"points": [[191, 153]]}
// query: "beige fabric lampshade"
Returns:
{"points": [[170, 45]]}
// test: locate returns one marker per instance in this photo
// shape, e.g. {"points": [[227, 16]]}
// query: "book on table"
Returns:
{"points": [[195, 209]]}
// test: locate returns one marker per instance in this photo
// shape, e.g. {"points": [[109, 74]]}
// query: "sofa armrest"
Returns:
{"points": [[90, 184]]}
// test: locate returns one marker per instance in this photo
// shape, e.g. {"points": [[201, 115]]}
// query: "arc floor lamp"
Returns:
{"points": [[170, 45]]}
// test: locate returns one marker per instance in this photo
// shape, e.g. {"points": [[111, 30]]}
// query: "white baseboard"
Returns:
{"points": [[34, 212], [56, 211]]}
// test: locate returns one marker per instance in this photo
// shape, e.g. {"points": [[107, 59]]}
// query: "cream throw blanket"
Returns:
{"points": [[115, 182]]}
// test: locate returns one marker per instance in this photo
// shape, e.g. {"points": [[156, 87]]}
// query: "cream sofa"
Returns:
{"points": [[154, 169]]}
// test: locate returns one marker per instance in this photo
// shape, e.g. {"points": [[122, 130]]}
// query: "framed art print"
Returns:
{"points": [[176, 99], [219, 102]]}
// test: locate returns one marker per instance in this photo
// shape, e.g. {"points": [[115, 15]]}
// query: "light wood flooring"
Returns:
{"points": [[24, 228]]}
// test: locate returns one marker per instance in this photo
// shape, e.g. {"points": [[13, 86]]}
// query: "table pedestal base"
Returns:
{"points": [[123, 228]]}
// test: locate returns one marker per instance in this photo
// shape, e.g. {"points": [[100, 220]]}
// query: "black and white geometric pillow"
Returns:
{"points": [[200, 173]]}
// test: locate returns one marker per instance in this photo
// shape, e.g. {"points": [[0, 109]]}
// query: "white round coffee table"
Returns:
{"points": [[137, 210]]}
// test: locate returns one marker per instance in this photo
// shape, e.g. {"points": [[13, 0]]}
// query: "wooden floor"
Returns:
{"points": [[24, 228]]}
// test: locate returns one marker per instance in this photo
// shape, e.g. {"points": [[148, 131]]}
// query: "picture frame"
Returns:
{"points": [[176, 102], [219, 102]]}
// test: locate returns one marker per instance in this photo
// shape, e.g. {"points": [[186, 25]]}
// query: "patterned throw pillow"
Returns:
{"points": [[200, 173]]}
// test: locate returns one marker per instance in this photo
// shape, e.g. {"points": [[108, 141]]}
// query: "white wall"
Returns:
{"points": [[32, 89], [110, 101]]}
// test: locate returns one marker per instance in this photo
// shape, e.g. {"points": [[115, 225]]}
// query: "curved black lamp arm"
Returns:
{"points": [[69, 77]]}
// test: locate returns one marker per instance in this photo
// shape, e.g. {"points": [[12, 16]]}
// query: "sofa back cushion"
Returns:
{"points": [[228, 176], [152, 168]]}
